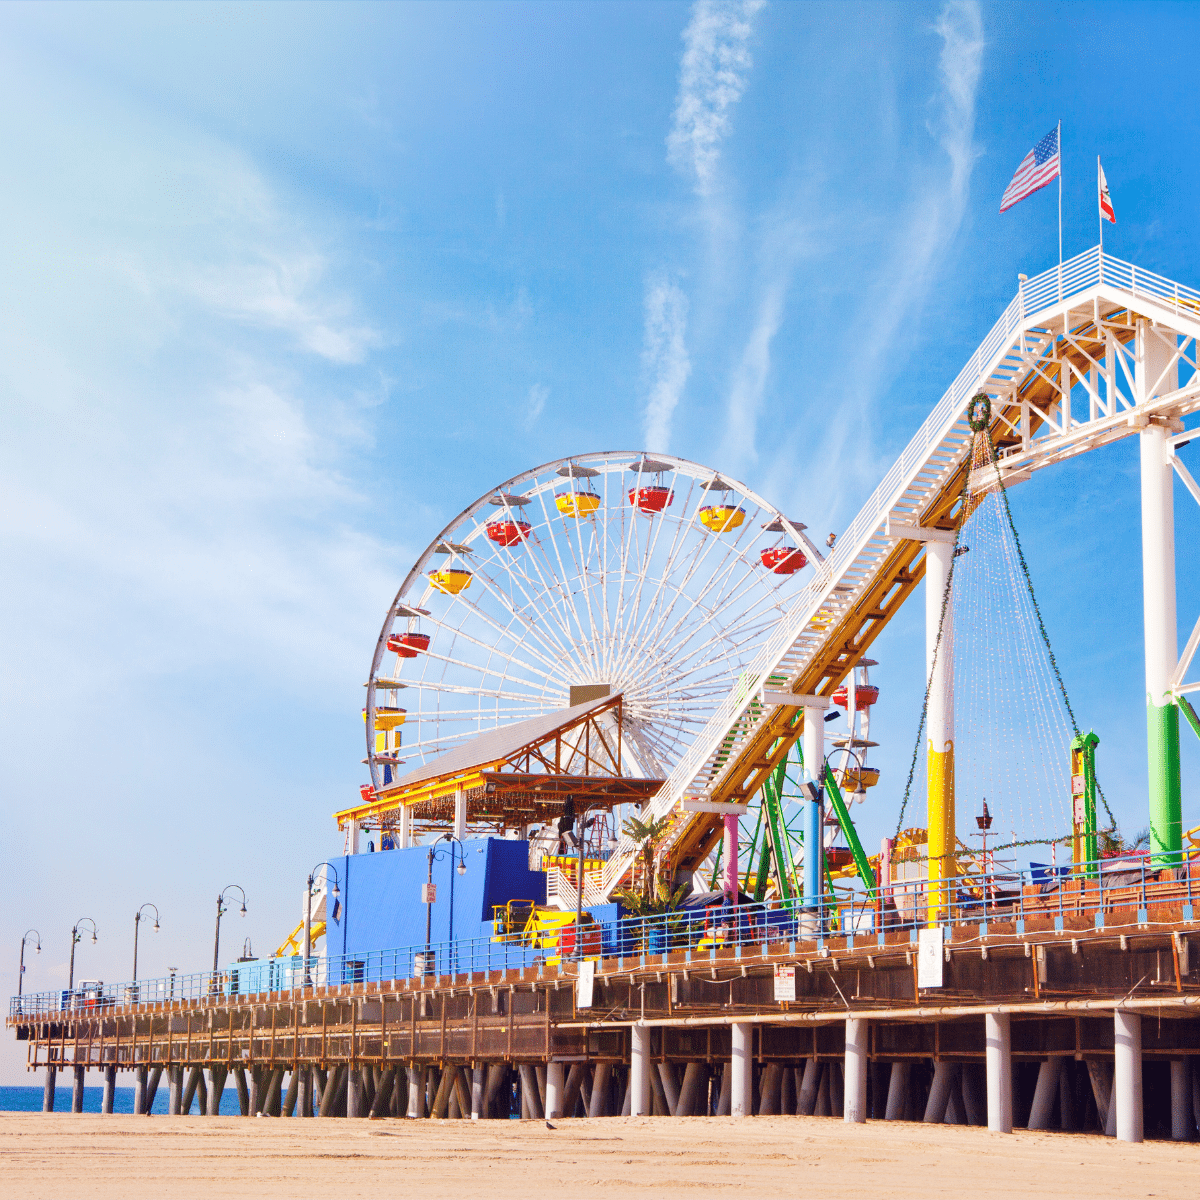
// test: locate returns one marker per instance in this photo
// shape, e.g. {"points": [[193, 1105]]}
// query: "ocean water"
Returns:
{"points": [[29, 1099]]}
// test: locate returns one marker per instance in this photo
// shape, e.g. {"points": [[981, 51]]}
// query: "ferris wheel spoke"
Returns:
{"points": [[548, 653], [503, 632]]}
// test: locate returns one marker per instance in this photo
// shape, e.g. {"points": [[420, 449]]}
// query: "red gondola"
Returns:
{"points": [[508, 533], [783, 560], [650, 500], [864, 696], [408, 645]]}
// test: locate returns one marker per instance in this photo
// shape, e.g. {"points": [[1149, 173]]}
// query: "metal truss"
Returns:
{"points": [[1068, 369]]}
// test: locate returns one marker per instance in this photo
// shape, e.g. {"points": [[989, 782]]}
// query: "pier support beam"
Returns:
{"points": [[555, 1082], [416, 1092], [945, 1078], [1181, 1100], [216, 1086], [354, 1092], [139, 1090], [742, 1064], [77, 1091], [857, 1051], [998, 1048], [195, 1078], [175, 1080], [1127, 1075], [639, 1071], [152, 1089], [690, 1090], [897, 1096], [1045, 1094], [110, 1089], [48, 1090]]}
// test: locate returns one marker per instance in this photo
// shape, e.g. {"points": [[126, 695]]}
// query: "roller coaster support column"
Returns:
{"points": [[939, 662], [729, 852], [814, 759], [1162, 652], [405, 827]]}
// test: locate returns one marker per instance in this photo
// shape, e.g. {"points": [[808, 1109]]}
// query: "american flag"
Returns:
{"points": [[1037, 168]]}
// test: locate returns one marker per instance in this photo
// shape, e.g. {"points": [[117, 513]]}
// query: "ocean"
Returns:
{"points": [[29, 1099]]}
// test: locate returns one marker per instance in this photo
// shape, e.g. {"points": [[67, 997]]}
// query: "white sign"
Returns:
{"points": [[429, 893], [584, 983], [929, 958], [785, 983]]}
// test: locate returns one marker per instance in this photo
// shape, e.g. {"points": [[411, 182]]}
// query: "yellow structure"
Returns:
{"points": [[577, 504], [721, 518], [450, 580]]}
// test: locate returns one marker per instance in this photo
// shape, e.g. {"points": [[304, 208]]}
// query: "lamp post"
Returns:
{"points": [[137, 921], [21, 974], [221, 910], [584, 825], [75, 939], [429, 893], [308, 895]]}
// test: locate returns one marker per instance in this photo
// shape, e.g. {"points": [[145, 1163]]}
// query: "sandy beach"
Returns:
{"points": [[130, 1157]]}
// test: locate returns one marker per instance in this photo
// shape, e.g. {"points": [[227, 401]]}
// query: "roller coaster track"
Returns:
{"points": [[1095, 334]]}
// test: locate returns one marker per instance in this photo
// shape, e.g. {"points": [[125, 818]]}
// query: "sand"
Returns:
{"points": [[130, 1157]]}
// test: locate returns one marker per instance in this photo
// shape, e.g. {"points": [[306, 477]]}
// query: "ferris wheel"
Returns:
{"points": [[656, 577]]}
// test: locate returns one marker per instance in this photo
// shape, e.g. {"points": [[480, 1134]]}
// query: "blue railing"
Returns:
{"points": [[1085, 890]]}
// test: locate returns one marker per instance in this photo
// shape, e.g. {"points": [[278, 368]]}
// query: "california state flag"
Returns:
{"points": [[1106, 205]]}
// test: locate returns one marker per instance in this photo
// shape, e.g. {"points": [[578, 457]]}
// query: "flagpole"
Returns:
{"points": [[1060, 168], [1099, 210]]}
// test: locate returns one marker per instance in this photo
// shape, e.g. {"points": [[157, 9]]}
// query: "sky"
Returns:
{"points": [[283, 288]]}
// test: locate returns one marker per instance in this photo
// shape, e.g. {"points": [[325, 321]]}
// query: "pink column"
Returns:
{"points": [[730, 854]]}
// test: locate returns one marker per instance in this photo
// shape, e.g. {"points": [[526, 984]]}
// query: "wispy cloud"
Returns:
{"points": [[712, 78], [892, 287], [535, 404], [665, 361]]}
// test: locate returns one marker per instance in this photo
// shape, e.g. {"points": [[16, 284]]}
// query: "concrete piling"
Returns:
{"points": [[741, 1065], [555, 1083], [110, 1089], [1181, 1100], [243, 1092], [195, 1078], [77, 1091], [897, 1093], [175, 1078], [48, 1090], [639, 1072], [1127, 1075], [998, 1052], [857, 1051], [152, 1089]]}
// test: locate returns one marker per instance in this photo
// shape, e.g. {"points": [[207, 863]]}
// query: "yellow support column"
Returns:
{"points": [[939, 659]]}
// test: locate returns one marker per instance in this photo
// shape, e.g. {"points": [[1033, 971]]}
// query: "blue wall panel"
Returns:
{"points": [[380, 897]]}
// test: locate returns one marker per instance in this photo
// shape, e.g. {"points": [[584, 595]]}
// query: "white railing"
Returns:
{"points": [[1043, 291]]}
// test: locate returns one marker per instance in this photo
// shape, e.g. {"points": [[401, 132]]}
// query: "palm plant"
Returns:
{"points": [[645, 836]]}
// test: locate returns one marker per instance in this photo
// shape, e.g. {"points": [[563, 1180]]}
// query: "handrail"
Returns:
{"points": [[979, 899]]}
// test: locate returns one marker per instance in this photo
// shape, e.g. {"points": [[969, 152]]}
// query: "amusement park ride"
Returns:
{"points": [[601, 696]]}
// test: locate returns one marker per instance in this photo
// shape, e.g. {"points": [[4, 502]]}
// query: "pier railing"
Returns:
{"points": [[1073, 896]]}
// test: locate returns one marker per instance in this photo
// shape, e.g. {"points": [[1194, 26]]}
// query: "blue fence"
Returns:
{"points": [[1085, 890]]}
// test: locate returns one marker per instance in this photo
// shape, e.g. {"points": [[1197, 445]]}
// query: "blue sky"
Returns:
{"points": [[286, 287]]}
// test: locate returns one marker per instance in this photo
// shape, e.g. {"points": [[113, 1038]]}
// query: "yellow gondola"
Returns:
{"points": [[721, 518], [577, 504], [451, 580]]}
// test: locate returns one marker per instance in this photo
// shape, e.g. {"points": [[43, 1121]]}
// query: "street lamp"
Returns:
{"points": [[137, 920], [21, 975], [76, 937], [220, 913], [428, 892], [308, 913], [584, 825]]}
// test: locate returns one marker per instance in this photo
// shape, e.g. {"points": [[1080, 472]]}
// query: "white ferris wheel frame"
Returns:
{"points": [[720, 569]]}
